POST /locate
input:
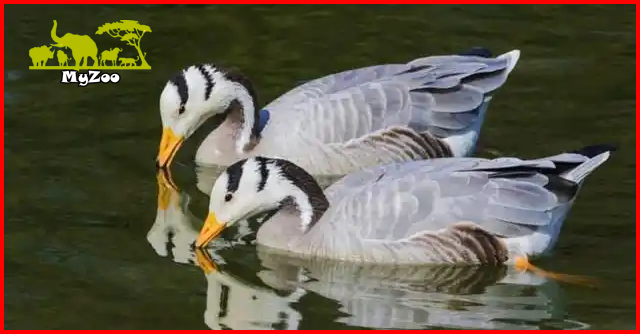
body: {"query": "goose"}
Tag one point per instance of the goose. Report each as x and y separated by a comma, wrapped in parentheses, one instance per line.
(236, 300)
(462, 210)
(429, 107)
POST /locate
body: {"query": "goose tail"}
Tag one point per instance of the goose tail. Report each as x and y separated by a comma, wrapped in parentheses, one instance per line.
(512, 58)
(479, 84)
(573, 166)
(596, 155)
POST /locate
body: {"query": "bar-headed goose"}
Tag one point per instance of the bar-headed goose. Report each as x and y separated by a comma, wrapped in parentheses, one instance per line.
(430, 107)
(448, 210)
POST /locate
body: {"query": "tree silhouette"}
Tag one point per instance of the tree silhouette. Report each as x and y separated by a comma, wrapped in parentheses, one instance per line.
(133, 34)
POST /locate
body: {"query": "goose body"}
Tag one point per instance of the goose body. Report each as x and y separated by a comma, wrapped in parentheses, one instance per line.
(427, 108)
(417, 296)
(448, 210)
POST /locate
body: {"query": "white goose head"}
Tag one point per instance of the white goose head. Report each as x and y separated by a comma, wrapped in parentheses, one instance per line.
(198, 93)
(257, 185)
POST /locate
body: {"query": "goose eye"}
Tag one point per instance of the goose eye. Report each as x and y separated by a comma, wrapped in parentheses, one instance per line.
(181, 110)
(228, 197)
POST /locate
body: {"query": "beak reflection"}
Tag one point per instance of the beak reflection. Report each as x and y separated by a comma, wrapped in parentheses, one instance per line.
(205, 262)
(166, 187)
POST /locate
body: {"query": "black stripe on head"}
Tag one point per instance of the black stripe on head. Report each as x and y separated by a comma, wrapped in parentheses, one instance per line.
(234, 174)
(234, 75)
(207, 77)
(264, 172)
(305, 182)
(298, 176)
(179, 81)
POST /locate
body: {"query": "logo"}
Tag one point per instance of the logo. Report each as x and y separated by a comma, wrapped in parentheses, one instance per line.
(74, 53)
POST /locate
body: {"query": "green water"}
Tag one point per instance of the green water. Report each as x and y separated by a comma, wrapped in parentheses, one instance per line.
(87, 248)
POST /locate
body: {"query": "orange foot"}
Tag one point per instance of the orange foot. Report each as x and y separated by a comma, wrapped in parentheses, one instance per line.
(522, 263)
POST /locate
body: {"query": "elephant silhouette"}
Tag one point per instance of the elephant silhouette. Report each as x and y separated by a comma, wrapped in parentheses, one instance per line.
(62, 58)
(111, 55)
(82, 46)
(40, 55)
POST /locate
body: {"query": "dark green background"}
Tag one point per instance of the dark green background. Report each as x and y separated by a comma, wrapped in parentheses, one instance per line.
(80, 184)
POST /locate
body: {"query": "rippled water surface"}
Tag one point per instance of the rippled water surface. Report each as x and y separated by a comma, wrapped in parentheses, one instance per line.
(86, 245)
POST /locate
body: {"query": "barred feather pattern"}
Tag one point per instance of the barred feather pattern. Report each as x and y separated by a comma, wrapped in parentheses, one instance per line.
(396, 144)
(464, 242)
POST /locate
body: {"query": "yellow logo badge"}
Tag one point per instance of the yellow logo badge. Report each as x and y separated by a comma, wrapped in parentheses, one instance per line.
(79, 52)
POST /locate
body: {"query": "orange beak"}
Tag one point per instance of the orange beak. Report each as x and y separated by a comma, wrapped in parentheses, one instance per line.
(211, 229)
(169, 145)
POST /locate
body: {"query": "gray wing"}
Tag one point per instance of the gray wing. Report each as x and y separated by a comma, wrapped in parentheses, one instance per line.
(396, 201)
(440, 94)
(333, 83)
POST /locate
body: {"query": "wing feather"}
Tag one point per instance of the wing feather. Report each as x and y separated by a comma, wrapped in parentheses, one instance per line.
(397, 200)
(440, 94)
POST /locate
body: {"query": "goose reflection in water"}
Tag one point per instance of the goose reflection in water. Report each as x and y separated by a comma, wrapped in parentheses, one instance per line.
(250, 288)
